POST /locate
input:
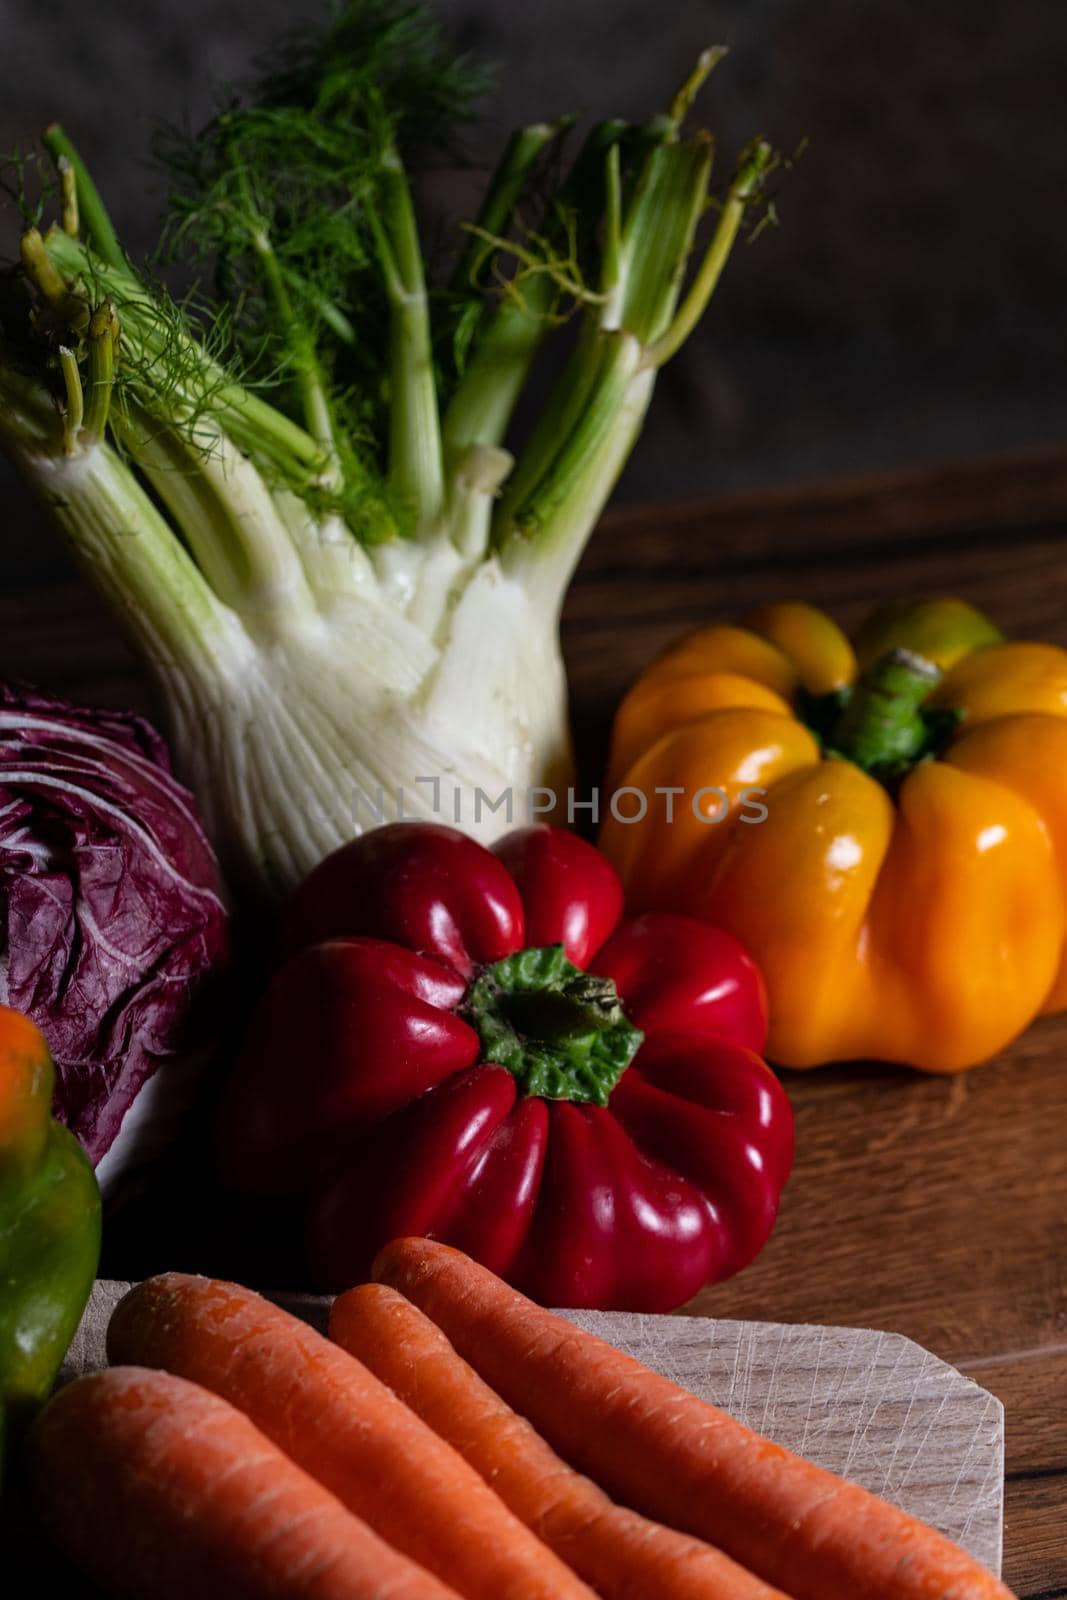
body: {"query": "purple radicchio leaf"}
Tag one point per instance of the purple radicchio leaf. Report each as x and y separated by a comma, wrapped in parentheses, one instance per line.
(113, 928)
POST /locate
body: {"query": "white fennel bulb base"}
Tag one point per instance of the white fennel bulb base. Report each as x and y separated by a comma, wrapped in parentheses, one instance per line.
(315, 734)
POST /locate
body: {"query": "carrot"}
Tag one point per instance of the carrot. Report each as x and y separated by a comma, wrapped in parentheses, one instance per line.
(153, 1486)
(671, 1456)
(344, 1426)
(621, 1554)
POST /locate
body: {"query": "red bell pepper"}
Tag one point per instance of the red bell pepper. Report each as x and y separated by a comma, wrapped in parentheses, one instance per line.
(467, 1044)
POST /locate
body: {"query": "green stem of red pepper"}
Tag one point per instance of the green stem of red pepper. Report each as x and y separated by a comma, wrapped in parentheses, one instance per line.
(560, 1032)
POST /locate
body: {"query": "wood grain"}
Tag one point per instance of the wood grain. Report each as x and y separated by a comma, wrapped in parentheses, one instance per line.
(874, 1407)
(926, 1207)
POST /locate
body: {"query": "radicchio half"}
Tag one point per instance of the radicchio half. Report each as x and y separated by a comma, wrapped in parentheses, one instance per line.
(113, 928)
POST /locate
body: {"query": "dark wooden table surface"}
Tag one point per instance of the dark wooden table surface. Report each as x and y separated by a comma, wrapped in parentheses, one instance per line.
(934, 1207)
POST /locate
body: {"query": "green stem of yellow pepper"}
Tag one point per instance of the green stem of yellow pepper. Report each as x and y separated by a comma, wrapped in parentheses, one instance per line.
(882, 727)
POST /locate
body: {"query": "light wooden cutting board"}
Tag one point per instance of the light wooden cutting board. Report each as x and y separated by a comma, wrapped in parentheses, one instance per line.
(874, 1407)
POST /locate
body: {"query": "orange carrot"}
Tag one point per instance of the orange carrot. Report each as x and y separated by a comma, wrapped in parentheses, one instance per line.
(153, 1486)
(621, 1554)
(659, 1449)
(343, 1426)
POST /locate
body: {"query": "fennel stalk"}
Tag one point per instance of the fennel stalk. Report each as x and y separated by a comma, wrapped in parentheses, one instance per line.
(299, 497)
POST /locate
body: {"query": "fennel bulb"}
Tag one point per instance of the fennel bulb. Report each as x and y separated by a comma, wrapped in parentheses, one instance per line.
(297, 495)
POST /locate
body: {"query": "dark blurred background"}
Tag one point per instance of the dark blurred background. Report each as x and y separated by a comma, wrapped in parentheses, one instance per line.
(909, 308)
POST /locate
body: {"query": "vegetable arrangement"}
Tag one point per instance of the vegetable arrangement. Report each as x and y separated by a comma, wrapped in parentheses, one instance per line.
(429, 1481)
(906, 894)
(295, 489)
(469, 1043)
(302, 489)
(112, 926)
(49, 1230)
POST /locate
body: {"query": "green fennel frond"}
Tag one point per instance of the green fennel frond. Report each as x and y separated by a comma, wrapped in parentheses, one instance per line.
(272, 203)
(29, 185)
(554, 256)
(395, 50)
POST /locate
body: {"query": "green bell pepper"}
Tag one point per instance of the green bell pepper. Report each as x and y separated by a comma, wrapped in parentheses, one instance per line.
(49, 1229)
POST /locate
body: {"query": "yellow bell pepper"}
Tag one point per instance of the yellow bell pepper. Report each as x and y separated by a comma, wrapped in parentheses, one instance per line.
(892, 846)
